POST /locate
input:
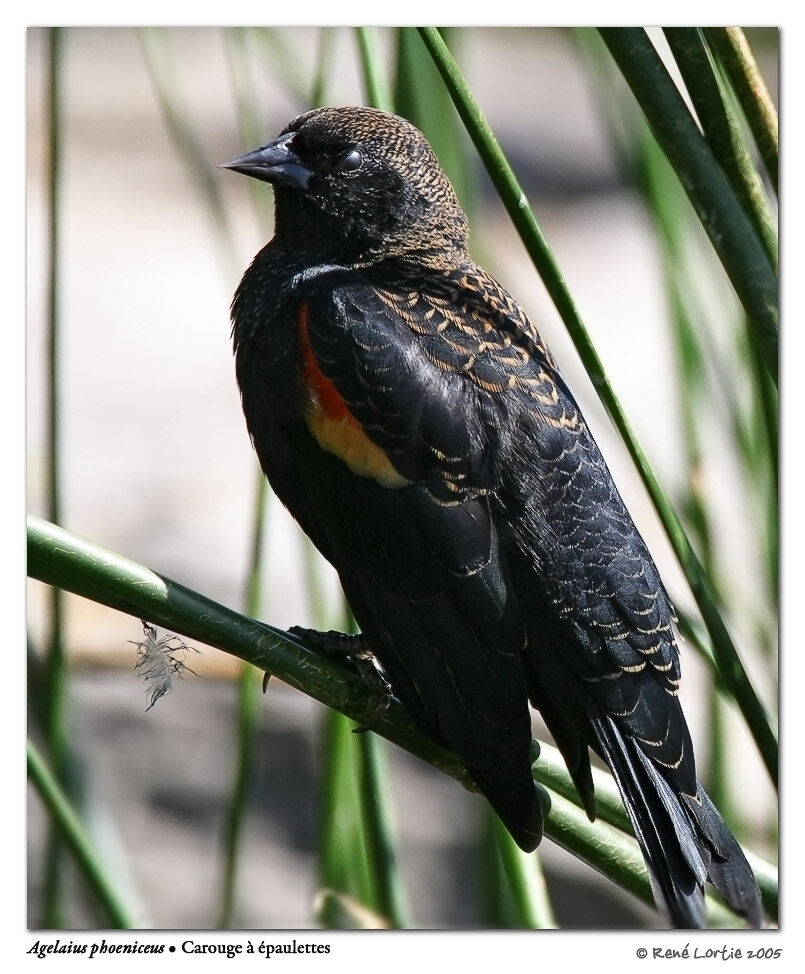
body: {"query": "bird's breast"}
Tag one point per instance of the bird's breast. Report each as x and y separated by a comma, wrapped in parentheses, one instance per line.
(332, 423)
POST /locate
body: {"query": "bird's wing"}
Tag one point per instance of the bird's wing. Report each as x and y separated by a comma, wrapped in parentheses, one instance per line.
(403, 494)
(608, 609)
(586, 568)
(453, 384)
(596, 610)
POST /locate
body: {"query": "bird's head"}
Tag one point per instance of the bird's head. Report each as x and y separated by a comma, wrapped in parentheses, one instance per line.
(357, 182)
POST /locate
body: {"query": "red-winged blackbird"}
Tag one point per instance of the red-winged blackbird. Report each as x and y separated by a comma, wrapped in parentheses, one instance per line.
(411, 418)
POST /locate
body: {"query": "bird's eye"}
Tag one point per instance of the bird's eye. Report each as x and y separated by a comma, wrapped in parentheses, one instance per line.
(351, 161)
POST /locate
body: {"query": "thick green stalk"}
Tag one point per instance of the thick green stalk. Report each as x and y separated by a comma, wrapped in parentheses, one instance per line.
(420, 97)
(551, 772)
(767, 880)
(722, 131)
(375, 83)
(732, 234)
(379, 832)
(765, 418)
(55, 86)
(357, 853)
(55, 665)
(736, 56)
(347, 891)
(239, 798)
(514, 199)
(247, 723)
(318, 93)
(64, 818)
(527, 900)
(361, 884)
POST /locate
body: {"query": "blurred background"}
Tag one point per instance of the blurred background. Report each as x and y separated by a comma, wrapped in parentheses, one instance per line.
(156, 463)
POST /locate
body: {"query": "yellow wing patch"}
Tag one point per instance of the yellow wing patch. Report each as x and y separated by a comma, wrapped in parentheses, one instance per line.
(346, 440)
(332, 424)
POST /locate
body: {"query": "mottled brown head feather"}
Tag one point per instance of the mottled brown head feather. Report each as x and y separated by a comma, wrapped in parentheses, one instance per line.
(376, 186)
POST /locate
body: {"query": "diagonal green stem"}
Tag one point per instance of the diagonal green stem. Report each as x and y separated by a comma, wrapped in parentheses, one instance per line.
(731, 668)
(247, 718)
(59, 558)
(731, 233)
(324, 58)
(345, 875)
(736, 56)
(248, 708)
(523, 900)
(377, 88)
(709, 96)
(55, 666)
(420, 97)
(378, 830)
(70, 828)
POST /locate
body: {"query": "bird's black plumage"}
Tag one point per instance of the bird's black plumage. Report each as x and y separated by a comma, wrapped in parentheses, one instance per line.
(411, 418)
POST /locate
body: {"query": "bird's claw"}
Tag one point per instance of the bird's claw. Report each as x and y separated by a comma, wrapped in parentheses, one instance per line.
(356, 650)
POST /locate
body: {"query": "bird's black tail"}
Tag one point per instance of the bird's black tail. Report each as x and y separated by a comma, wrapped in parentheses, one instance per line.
(684, 839)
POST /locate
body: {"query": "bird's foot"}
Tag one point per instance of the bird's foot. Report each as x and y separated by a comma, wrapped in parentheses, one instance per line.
(354, 648)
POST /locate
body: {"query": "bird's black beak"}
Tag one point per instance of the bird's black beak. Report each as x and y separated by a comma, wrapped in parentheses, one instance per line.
(273, 163)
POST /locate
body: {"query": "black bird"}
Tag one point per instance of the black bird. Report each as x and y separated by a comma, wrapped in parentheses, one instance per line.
(411, 418)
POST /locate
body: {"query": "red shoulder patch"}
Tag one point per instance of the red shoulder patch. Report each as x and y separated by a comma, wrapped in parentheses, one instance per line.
(323, 393)
(332, 423)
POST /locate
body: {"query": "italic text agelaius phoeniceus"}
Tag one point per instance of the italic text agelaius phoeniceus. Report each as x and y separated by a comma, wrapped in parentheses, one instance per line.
(410, 417)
